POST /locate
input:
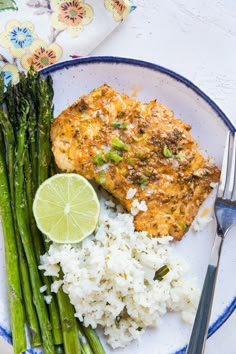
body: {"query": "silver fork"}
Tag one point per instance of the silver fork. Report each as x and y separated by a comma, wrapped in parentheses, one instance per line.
(225, 212)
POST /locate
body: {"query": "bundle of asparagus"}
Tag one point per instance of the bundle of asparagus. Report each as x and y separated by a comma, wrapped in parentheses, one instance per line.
(26, 113)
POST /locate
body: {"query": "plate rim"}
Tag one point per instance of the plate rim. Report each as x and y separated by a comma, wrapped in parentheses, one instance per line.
(230, 308)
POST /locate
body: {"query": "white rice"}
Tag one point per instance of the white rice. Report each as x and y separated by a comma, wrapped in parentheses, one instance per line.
(56, 285)
(48, 299)
(138, 206)
(131, 193)
(201, 223)
(109, 278)
(43, 289)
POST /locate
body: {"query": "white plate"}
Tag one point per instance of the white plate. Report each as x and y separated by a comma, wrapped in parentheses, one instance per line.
(209, 126)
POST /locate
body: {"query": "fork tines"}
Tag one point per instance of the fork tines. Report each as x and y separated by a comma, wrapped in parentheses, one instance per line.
(226, 189)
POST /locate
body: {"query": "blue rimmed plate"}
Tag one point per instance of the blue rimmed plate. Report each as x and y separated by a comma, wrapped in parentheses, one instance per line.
(209, 124)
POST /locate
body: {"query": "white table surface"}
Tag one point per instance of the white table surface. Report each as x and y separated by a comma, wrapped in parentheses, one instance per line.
(197, 39)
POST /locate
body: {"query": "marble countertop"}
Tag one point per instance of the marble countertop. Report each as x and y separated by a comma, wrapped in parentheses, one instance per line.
(197, 39)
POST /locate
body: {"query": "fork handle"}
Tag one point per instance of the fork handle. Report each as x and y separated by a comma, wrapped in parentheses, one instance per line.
(199, 332)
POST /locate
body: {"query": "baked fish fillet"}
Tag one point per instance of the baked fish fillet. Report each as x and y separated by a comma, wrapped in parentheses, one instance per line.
(129, 147)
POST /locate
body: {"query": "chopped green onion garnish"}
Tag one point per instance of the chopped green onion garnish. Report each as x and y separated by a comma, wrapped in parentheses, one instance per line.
(142, 181)
(130, 161)
(180, 156)
(140, 154)
(139, 138)
(160, 273)
(119, 145)
(183, 225)
(113, 156)
(148, 173)
(102, 177)
(99, 159)
(167, 152)
(119, 125)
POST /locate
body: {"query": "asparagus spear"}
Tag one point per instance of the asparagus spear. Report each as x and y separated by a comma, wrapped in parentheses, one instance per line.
(26, 86)
(93, 339)
(39, 249)
(31, 176)
(10, 146)
(24, 274)
(11, 107)
(36, 235)
(20, 205)
(44, 122)
(31, 161)
(69, 326)
(13, 276)
(85, 347)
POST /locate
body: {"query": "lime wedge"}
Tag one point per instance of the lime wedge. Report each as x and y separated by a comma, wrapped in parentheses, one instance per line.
(66, 208)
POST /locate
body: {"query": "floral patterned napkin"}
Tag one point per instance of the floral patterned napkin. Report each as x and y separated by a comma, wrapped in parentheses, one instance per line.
(42, 32)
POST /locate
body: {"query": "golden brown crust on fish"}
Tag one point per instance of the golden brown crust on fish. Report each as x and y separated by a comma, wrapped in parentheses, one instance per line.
(122, 143)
